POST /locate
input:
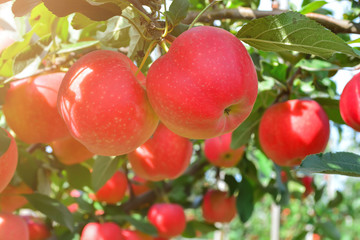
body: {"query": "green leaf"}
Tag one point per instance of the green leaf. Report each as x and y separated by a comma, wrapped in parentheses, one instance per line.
(245, 200)
(331, 107)
(67, 48)
(5, 141)
(330, 230)
(104, 168)
(194, 225)
(140, 224)
(242, 134)
(336, 201)
(292, 31)
(343, 163)
(314, 65)
(78, 176)
(80, 21)
(178, 11)
(232, 183)
(52, 208)
(311, 7)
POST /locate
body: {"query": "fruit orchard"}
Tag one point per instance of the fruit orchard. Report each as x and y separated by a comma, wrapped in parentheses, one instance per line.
(183, 119)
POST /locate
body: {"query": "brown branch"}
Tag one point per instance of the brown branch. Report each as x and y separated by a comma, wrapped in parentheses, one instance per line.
(151, 196)
(335, 25)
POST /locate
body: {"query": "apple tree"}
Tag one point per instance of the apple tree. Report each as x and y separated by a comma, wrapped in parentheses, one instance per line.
(134, 119)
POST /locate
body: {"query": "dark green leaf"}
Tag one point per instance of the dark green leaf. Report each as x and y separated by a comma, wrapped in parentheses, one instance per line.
(343, 163)
(5, 141)
(103, 169)
(140, 224)
(245, 200)
(242, 134)
(336, 201)
(194, 225)
(311, 7)
(292, 31)
(232, 183)
(330, 230)
(178, 10)
(52, 209)
(78, 176)
(319, 193)
(331, 107)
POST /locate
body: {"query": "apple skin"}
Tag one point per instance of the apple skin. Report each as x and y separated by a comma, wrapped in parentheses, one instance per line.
(11, 199)
(135, 235)
(139, 186)
(307, 182)
(69, 151)
(8, 161)
(205, 86)
(104, 104)
(169, 219)
(164, 156)
(219, 153)
(350, 102)
(217, 206)
(13, 227)
(291, 130)
(103, 231)
(114, 189)
(30, 109)
(37, 229)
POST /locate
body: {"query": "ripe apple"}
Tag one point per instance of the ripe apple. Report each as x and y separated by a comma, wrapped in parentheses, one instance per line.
(114, 189)
(219, 153)
(169, 219)
(13, 227)
(30, 109)
(135, 235)
(291, 130)
(217, 206)
(69, 151)
(11, 199)
(103, 231)
(350, 102)
(205, 86)
(8, 161)
(307, 182)
(104, 105)
(139, 185)
(165, 155)
(37, 229)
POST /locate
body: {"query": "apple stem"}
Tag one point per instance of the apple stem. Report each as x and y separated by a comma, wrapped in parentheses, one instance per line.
(148, 51)
(202, 12)
(164, 46)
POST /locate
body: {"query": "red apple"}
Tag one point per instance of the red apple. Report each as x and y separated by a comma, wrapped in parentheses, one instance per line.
(104, 104)
(73, 207)
(291, 130)
(169, 219)
(30, 109)
(165, 155)
(114, 189)
(139, 185)
(217, 206)
(219, 153)
(13, 227)
(11, 199)
(69, 151)
(8, 161)
(135, 235)
(37, 229)
(205, 86)
(307, 182)
(101, 231)
(350, 103)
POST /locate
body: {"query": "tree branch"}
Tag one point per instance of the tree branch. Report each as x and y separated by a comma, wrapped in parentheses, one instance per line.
(335, 25)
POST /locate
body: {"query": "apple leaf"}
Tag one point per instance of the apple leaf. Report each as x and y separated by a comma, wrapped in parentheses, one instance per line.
(311, 7)
(194, 225)
(343, 163)
(314, 65)
(80, 21)
(22, 7)
(4, 141)
(78, 176)
(104, 168)
(52, 208)
(178, 11)
(331, 107)
(330, 230)
(73, 47)
(96, 12)
(336, 201)
(245, 200)
(140, 224)
(232, 183)
(292, 31)
(242, 134)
